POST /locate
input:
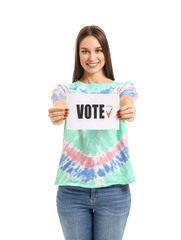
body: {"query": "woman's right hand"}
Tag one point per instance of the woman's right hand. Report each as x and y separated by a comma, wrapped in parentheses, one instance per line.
(58, 115)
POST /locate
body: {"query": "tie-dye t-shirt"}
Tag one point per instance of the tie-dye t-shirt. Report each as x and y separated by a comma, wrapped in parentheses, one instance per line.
(95, 158)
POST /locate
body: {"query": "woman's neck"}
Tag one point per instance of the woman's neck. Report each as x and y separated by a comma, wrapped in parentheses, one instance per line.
(94, 78)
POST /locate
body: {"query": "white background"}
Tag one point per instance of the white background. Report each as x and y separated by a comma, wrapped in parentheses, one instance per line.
(36, 53)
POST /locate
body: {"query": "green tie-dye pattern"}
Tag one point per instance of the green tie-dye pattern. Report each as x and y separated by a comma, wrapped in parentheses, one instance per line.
(93, 141)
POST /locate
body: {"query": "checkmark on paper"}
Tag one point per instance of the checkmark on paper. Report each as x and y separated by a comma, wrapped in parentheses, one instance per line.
(108, 113)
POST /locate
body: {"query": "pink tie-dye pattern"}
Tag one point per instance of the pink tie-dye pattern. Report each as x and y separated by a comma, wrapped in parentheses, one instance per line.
(58, 90)
(128, 88)
(88, 162)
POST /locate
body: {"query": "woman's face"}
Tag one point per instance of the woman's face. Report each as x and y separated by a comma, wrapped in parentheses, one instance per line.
(91, 55)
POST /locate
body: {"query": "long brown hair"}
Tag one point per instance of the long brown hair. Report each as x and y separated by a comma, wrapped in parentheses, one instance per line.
(101, 37)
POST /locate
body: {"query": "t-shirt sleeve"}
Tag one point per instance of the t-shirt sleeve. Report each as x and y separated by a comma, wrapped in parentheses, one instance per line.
(128, 88)
(59, 92)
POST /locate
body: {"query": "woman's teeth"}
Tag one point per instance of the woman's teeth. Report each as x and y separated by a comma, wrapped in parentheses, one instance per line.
(92, 64)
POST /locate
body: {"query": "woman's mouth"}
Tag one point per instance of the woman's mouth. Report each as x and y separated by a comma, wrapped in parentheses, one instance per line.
(92, 65)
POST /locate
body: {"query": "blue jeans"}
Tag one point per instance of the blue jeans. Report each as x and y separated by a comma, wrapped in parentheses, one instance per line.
(93, 213)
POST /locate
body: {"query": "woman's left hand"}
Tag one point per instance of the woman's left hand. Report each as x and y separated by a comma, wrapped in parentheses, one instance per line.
(127, 112)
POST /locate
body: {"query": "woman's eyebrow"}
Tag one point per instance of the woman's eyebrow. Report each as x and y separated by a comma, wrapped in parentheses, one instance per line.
(87, 48)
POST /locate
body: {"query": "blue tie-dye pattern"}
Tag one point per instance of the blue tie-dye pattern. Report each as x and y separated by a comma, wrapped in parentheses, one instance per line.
(88, 174)
(59, 95)
(126, 150)
(105, 91)
(129, 92)
(107, 169)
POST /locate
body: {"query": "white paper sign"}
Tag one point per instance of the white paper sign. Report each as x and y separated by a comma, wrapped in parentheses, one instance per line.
(92, 111)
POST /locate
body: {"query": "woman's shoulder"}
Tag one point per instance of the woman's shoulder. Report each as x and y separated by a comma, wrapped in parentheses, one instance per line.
(65, 85)
(125, 84)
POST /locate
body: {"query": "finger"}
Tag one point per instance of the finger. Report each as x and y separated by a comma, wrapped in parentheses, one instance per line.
(119, 116)
(127, 106)
(51, 110)
(55, 114)
(61, 113)
(127, 116)
(58, 113)
(57, 121)
(55, 118)
(127, 111)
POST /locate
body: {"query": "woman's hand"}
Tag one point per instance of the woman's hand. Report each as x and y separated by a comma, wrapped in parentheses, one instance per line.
(127, 112)
(58, 115)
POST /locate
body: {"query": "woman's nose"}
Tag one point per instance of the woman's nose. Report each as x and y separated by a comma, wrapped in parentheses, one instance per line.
(91, 56)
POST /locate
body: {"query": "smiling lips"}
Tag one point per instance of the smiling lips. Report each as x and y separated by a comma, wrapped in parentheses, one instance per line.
(92, 65)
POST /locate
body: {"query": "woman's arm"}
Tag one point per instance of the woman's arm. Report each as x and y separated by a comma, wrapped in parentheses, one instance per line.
(127, 109)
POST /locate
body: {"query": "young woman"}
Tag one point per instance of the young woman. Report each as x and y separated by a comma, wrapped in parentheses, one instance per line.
(94, 172)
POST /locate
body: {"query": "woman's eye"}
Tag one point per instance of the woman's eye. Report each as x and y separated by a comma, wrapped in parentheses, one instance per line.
(85, 51)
